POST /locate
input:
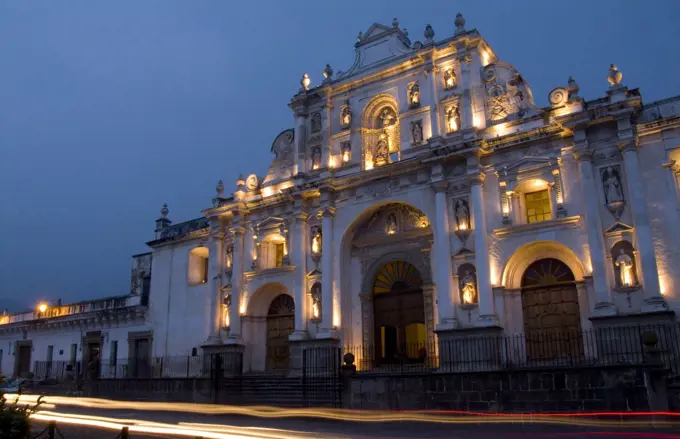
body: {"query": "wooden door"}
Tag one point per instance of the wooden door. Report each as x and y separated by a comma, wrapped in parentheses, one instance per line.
(552, 319)
(24, 365)
(280, 325)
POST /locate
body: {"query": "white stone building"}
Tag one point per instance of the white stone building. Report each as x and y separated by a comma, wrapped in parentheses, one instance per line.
(48, 339)
(422, 195)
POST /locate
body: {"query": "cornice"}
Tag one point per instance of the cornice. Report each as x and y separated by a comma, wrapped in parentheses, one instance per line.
(533, 227)
(94, 319)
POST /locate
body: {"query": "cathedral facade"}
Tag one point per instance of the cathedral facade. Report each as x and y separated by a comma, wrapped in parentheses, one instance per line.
(422, 196)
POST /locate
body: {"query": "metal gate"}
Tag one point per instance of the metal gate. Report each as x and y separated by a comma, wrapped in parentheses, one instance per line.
(322, 377)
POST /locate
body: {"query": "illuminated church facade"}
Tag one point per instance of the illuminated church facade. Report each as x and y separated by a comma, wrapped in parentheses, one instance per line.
(422, 196)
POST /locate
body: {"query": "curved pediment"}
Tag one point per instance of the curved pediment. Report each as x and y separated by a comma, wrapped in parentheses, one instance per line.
(281, 168)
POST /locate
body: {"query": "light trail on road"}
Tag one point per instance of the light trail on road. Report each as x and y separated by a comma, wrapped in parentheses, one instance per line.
(600, 419)
(210, 431)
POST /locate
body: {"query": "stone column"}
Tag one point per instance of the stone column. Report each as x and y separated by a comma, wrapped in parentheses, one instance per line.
(434, 105)
(236, 285)
(487, 313)
(603, 300)
(216, 260)
(650, 274)
(327, 254)
(298, 257)
(326, 114)
(442, 258)
(553, 201)
(465, 103)
(300, 139)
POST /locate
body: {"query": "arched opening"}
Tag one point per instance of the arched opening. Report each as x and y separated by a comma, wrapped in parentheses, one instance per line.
(280, 324)
(552, 320)
(399, 314)
(198, 265)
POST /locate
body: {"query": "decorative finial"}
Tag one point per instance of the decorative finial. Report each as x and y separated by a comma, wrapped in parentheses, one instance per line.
(305, 81)
(615, 76)
(460, 23)
(240, 181)
(164, 210)
(405, 31)
(572, 88)
(428, 34)
(395, 22)
(328, 72)
(360, 37)
(220, 189)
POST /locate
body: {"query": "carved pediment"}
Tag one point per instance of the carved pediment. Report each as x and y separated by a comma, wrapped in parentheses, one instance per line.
(393, 220)
(378, 44)
(527, 163)
(619, 227)
(270, 224)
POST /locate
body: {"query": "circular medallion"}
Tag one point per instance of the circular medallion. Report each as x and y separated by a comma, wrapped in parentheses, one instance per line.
(252, 183)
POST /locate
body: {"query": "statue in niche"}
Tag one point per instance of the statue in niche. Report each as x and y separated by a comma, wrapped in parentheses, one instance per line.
(625, 264)
(382, 151)
(453, 118)
(346, 116)
(316, 239)
(316, 301)
(316, 158)
(462, 215)
(229, 257)
(316, 122)
(469, 289)
(387, 118)
(391, 224)
(417, 132)
(449, 79)
(612, 186)
(414, 95)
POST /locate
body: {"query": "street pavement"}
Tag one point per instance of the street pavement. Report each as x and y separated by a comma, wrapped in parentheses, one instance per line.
(321, 428)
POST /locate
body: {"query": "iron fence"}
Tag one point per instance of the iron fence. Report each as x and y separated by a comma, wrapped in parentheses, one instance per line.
(52, 431)
(610, 346)
(186, 366)
(57, 371)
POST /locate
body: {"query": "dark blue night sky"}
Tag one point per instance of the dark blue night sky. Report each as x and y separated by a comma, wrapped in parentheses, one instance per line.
(109, 109)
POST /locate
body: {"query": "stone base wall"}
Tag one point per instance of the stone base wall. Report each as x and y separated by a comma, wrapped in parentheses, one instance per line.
(162, 389)
(517, 391)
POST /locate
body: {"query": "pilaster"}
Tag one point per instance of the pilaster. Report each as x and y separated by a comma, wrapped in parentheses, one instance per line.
(654, 302)
(603, 300)
(442, 249)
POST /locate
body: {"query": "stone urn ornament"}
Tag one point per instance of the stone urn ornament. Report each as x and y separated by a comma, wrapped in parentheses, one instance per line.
(615, 76)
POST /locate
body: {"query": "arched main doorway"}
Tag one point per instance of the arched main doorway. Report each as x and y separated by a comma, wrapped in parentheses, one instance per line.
(280, 324)
(552, 320)
(399, 314)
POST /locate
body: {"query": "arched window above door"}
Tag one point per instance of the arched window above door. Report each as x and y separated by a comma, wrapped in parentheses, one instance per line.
(547, 271)
(397, 276)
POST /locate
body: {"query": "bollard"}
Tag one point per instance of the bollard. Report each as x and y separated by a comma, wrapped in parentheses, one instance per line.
(125, 433)
(51, 429)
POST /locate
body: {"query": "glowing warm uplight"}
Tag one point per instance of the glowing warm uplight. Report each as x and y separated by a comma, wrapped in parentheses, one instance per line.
(627, 277)
(493, 272)
(267, 191)
(485, 58)
(346, 155)
(336, 318)
(315, 246)
(369, 164)
(315, 166)
(331, 162)
(315, 310)
(42, 307)
(226, 317)
(506, 209)
(453, 125)
(242, 306)
(475, 121)
(662, 285)
(462, 226)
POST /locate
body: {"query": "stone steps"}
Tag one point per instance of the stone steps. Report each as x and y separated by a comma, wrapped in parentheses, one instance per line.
(262, 389)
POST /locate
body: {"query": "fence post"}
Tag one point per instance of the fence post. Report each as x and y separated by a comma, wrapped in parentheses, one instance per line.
(188, 360)
(51, 429)
(125, 433)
